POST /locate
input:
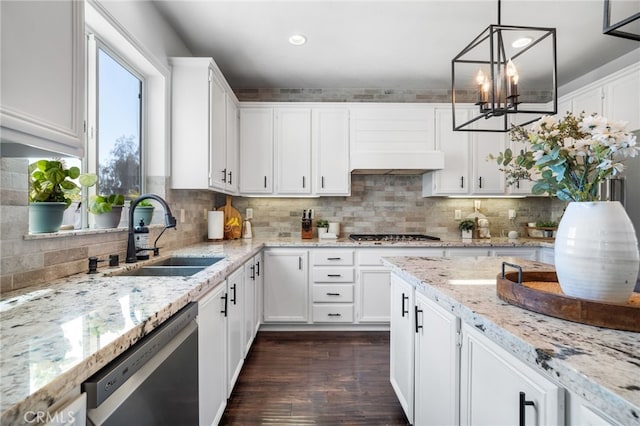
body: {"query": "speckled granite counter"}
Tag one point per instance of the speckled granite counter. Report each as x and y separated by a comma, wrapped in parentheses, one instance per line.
(600, 365)
(56, 335)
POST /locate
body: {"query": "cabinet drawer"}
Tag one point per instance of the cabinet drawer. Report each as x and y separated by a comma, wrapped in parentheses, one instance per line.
(333, 313)
(332, 257)
(332, 275)
(333, 293)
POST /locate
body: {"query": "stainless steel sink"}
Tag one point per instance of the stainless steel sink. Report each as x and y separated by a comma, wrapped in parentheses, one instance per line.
(188, 261)
(175, 266)
(163, 271)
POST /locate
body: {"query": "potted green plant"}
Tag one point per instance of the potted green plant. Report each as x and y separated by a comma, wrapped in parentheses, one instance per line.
(548, 227)
(466, 228)
(51, 188)
(107, 209)
(323, 226)
(144, 212)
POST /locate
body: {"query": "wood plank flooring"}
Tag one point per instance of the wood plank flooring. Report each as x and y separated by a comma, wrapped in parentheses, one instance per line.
(319, 378)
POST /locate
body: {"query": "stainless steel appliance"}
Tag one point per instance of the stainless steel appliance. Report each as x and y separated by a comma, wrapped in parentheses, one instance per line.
(153, 383)
(392, 237)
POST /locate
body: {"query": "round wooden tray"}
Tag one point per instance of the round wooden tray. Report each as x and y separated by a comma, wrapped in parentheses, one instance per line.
(540, 292)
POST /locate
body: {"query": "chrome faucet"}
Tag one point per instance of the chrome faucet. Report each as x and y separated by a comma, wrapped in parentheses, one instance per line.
(170, 222)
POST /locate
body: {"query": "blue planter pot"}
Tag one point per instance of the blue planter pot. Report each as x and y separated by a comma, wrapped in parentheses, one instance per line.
(46, 217)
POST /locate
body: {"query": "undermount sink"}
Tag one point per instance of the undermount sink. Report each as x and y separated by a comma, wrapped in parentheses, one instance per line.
(175, 266)
(188, 261)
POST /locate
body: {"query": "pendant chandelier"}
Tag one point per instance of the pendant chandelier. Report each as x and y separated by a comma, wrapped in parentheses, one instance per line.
(628, 27)
(511, 74)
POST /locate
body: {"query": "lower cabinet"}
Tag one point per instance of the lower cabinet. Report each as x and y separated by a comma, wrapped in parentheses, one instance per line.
(286, 285)
(498, 389)
(235, 327)
(437, 357)
(252, 302)
(212, 355)
(402, 344)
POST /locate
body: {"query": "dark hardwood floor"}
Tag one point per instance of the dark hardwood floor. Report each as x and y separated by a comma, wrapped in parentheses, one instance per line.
(319, 378)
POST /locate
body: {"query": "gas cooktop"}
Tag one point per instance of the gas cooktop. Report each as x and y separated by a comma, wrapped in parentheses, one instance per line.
(392, 237)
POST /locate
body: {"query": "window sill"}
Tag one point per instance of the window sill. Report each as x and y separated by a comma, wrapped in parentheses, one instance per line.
(81, 232)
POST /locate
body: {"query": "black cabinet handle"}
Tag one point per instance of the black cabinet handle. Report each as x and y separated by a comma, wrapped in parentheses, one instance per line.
(404, 311)
(233, 299)
(303, 182)
(230, 180)
(265, 181)
(334, 275)
(300, 263)
(334, 258)
(224, 311)
(461, 181)
(224, 175)
(257, 269)
(333, 294)
(523, 407)
(322, 182)
(480, 182)
(418, 311)
(334, 315)
(253, 272)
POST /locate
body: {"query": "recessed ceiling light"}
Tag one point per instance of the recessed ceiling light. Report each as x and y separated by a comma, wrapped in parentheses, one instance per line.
(297, 39)
(521, 42)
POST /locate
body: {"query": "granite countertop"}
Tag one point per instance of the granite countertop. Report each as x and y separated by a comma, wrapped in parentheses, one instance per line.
(56, 335)
(601, 365)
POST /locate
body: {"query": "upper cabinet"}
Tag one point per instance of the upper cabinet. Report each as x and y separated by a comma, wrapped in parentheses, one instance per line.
(204, 127)
(42, 77)
(467, 171)
(617, 97)
(294, 150)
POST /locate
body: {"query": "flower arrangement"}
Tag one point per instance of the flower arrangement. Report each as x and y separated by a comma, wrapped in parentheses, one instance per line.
(570, 156)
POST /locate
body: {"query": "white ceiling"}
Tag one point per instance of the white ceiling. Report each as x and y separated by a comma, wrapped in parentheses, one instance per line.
(377, 44)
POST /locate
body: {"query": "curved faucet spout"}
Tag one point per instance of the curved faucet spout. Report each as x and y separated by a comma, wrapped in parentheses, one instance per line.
(170, 222)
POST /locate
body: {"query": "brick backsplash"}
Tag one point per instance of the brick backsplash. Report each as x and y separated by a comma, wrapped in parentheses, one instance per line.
(377, 203)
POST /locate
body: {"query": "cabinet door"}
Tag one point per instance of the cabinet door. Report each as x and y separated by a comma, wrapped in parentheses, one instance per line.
(218, 134)
(589, 102)
(256, 150)
(402, 343)
(212, 355)
(373, 295)
(259, 274)
(42, 74)
(286, 289)
(487, 179)
(492, 381)
(235, 327)
(293, 151)
(330, 142)
(622, 98)
(454, 178)
(249, 303)
(232, 147)
(436, 369)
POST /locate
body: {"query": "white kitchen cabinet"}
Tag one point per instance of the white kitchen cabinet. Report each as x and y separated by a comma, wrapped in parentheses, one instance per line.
(466, 171)
(402, 344)
(588, 101)
(256, 150)
(42, 76)
(231, 148)
(252, 282)
(72, 413)
(467, 251)
(522, 252)
(496, 386)
(293, 151)
(212, 355)
(203, 135)
(546, 255)
(286, 285)
(235, 327)
(437, 355)
(580, 412)
(330, 151)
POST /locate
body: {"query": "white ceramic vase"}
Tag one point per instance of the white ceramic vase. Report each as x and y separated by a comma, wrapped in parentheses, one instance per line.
(596, 252)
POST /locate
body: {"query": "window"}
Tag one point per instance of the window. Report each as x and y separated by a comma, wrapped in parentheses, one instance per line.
(119, 120)
(115, 122)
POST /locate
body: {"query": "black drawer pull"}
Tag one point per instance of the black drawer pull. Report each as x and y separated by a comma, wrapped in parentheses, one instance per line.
(418, 326)
(333, 294)
(334, 315)
(334, 275)
(403, 308)
(334, 258)
(225, 298)
(523, 407)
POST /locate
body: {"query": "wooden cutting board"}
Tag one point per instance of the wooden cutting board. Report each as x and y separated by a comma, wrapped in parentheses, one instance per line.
(232, 221)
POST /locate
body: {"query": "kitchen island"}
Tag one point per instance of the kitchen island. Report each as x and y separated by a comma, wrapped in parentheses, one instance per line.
(600, 366)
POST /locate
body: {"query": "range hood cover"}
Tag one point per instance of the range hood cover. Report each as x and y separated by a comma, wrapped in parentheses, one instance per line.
(395, 163)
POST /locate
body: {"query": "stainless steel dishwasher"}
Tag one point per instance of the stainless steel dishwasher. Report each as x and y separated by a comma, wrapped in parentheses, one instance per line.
(155, 382)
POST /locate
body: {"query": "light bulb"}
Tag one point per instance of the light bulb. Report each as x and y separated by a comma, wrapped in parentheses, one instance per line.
(480, 79)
